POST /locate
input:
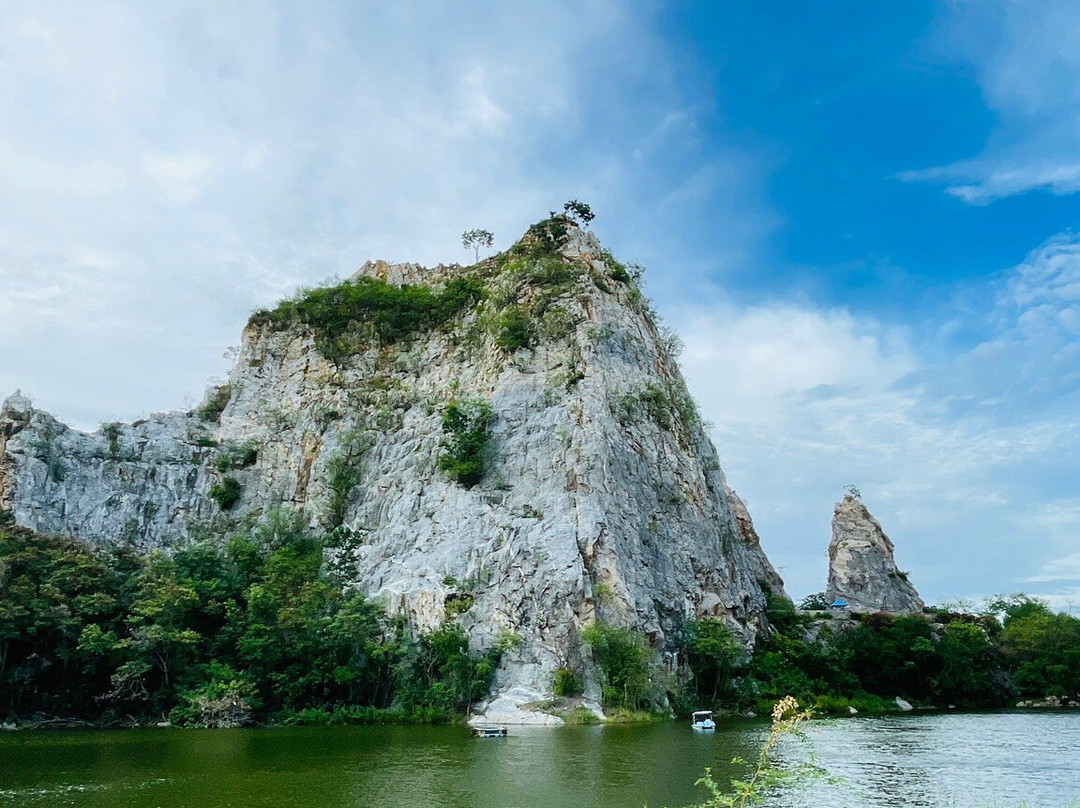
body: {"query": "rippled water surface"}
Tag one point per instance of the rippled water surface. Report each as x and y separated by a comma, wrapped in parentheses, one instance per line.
(998, 759)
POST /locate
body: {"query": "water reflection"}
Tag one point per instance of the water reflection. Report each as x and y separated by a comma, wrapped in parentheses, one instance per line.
(962, 761)
(949, 760)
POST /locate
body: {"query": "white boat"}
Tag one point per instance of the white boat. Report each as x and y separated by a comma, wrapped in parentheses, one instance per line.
(702, 721)
(483, 731)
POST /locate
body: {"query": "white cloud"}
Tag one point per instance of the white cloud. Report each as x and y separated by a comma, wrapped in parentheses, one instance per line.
(1064, 600)
(968, 457)
(1059, 569)
(212, 158)
(983, 182)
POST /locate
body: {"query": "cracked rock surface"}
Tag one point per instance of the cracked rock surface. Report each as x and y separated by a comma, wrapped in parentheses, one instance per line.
(862, 570)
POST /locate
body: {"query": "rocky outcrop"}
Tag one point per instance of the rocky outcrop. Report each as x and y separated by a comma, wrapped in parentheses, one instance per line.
(602, 498)
(862, 570)
(765, 572)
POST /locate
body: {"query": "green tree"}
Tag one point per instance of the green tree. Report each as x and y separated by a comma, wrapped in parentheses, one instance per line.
(969, 663)
(893, 656)
(625, 662)
(466, 439)
(475, 239)
(578, 212)
(160, 639)
(713, 653)
(439, 672)
(51, 590)
(1041, 649)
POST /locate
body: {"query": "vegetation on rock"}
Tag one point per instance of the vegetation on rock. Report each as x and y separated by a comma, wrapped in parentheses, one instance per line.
(227, 492)
(625, 663)
(254, 627)
(466, 440)
(216, 401)
(363, 309)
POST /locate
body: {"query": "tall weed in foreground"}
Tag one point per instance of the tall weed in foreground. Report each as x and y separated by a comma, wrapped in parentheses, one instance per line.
(767, 775)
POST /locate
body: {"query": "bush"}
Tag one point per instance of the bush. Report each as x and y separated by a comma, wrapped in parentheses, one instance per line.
(516, 330)
(546, 236)
(343, 474)
(781, 612)
(862, 703)
(551, 271)
(216, 401)
(466, 440)
(617, 270)
(566, 683)
(814, 603)
(441, 672)
(388, 313)
(227, 700)
(625, 662)
(227, 493)
(582, 717)
(361, 715)
(458, 603)
(111, 432)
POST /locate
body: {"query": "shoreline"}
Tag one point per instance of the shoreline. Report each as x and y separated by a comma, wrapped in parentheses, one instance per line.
(73, 724)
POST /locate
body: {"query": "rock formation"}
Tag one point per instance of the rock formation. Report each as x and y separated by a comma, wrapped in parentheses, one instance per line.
(764, 572)
(601, 497)
(862, 570)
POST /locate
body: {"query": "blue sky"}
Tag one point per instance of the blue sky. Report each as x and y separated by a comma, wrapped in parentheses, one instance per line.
(859, 216)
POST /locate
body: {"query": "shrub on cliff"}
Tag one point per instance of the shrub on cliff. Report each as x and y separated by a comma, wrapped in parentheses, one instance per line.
(364, 308)
(466, 440)
(625, 662)
(226, 493)
(516, 330)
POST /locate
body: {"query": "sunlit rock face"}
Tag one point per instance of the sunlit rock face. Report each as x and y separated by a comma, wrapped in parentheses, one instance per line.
(862, 570)
(601, 496)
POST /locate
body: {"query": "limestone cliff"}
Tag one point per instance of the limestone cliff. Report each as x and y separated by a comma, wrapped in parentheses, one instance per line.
(601, 495)
(862, 570)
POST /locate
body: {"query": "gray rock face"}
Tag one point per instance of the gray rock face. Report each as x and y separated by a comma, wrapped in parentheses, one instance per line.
(603, 497)
(862, 570)
(764, 571)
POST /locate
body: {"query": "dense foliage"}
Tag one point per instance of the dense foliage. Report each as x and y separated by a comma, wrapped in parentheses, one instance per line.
(625, 663)
(1022, 650)
(227, 492)
(223, 632)
(258, 626)
(466, 441)
(364, 308)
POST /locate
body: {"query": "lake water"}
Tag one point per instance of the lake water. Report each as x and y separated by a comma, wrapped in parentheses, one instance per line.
(1001, 759)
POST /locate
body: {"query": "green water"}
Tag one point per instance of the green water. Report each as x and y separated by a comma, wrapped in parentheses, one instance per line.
(947, 760)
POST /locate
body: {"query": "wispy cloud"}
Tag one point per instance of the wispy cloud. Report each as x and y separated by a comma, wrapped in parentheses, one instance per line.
(1025, 57)
(983, 182)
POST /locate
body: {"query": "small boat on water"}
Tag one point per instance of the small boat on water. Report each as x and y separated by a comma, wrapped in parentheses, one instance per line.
(702, 721)
(489, 732)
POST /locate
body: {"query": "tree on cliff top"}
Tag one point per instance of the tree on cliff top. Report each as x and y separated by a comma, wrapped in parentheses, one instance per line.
(475, 239)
